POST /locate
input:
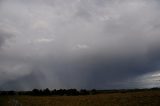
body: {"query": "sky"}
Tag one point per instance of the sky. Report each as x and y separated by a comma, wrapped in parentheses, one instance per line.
(101, 44)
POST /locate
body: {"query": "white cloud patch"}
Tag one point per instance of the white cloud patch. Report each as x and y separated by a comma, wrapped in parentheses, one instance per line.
(44, 40)
(149, 80)
(81, 46)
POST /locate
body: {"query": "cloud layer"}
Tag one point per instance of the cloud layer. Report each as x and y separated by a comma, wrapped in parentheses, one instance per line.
(79, 43)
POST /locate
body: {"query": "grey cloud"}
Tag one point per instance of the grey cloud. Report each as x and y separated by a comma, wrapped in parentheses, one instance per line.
(88, 44)
(4, 36)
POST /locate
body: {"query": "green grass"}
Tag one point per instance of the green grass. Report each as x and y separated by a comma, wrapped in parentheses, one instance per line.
(145, 98)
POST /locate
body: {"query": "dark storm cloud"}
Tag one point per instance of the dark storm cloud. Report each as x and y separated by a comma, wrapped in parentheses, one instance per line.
(79, 44)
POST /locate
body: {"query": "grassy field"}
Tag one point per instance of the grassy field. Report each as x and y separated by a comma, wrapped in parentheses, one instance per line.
(145, 98)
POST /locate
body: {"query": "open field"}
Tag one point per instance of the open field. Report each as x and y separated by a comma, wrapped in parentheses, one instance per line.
(143, 98)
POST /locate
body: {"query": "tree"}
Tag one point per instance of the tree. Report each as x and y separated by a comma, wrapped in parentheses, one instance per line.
(46, 91)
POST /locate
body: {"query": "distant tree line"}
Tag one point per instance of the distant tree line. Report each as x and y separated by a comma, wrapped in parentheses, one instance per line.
(71, 92)
(48, 92)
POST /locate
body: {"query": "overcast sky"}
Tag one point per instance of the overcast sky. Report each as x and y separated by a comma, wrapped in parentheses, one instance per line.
(100, 44)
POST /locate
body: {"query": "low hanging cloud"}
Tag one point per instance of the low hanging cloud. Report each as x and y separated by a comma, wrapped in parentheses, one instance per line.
(79, 44)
